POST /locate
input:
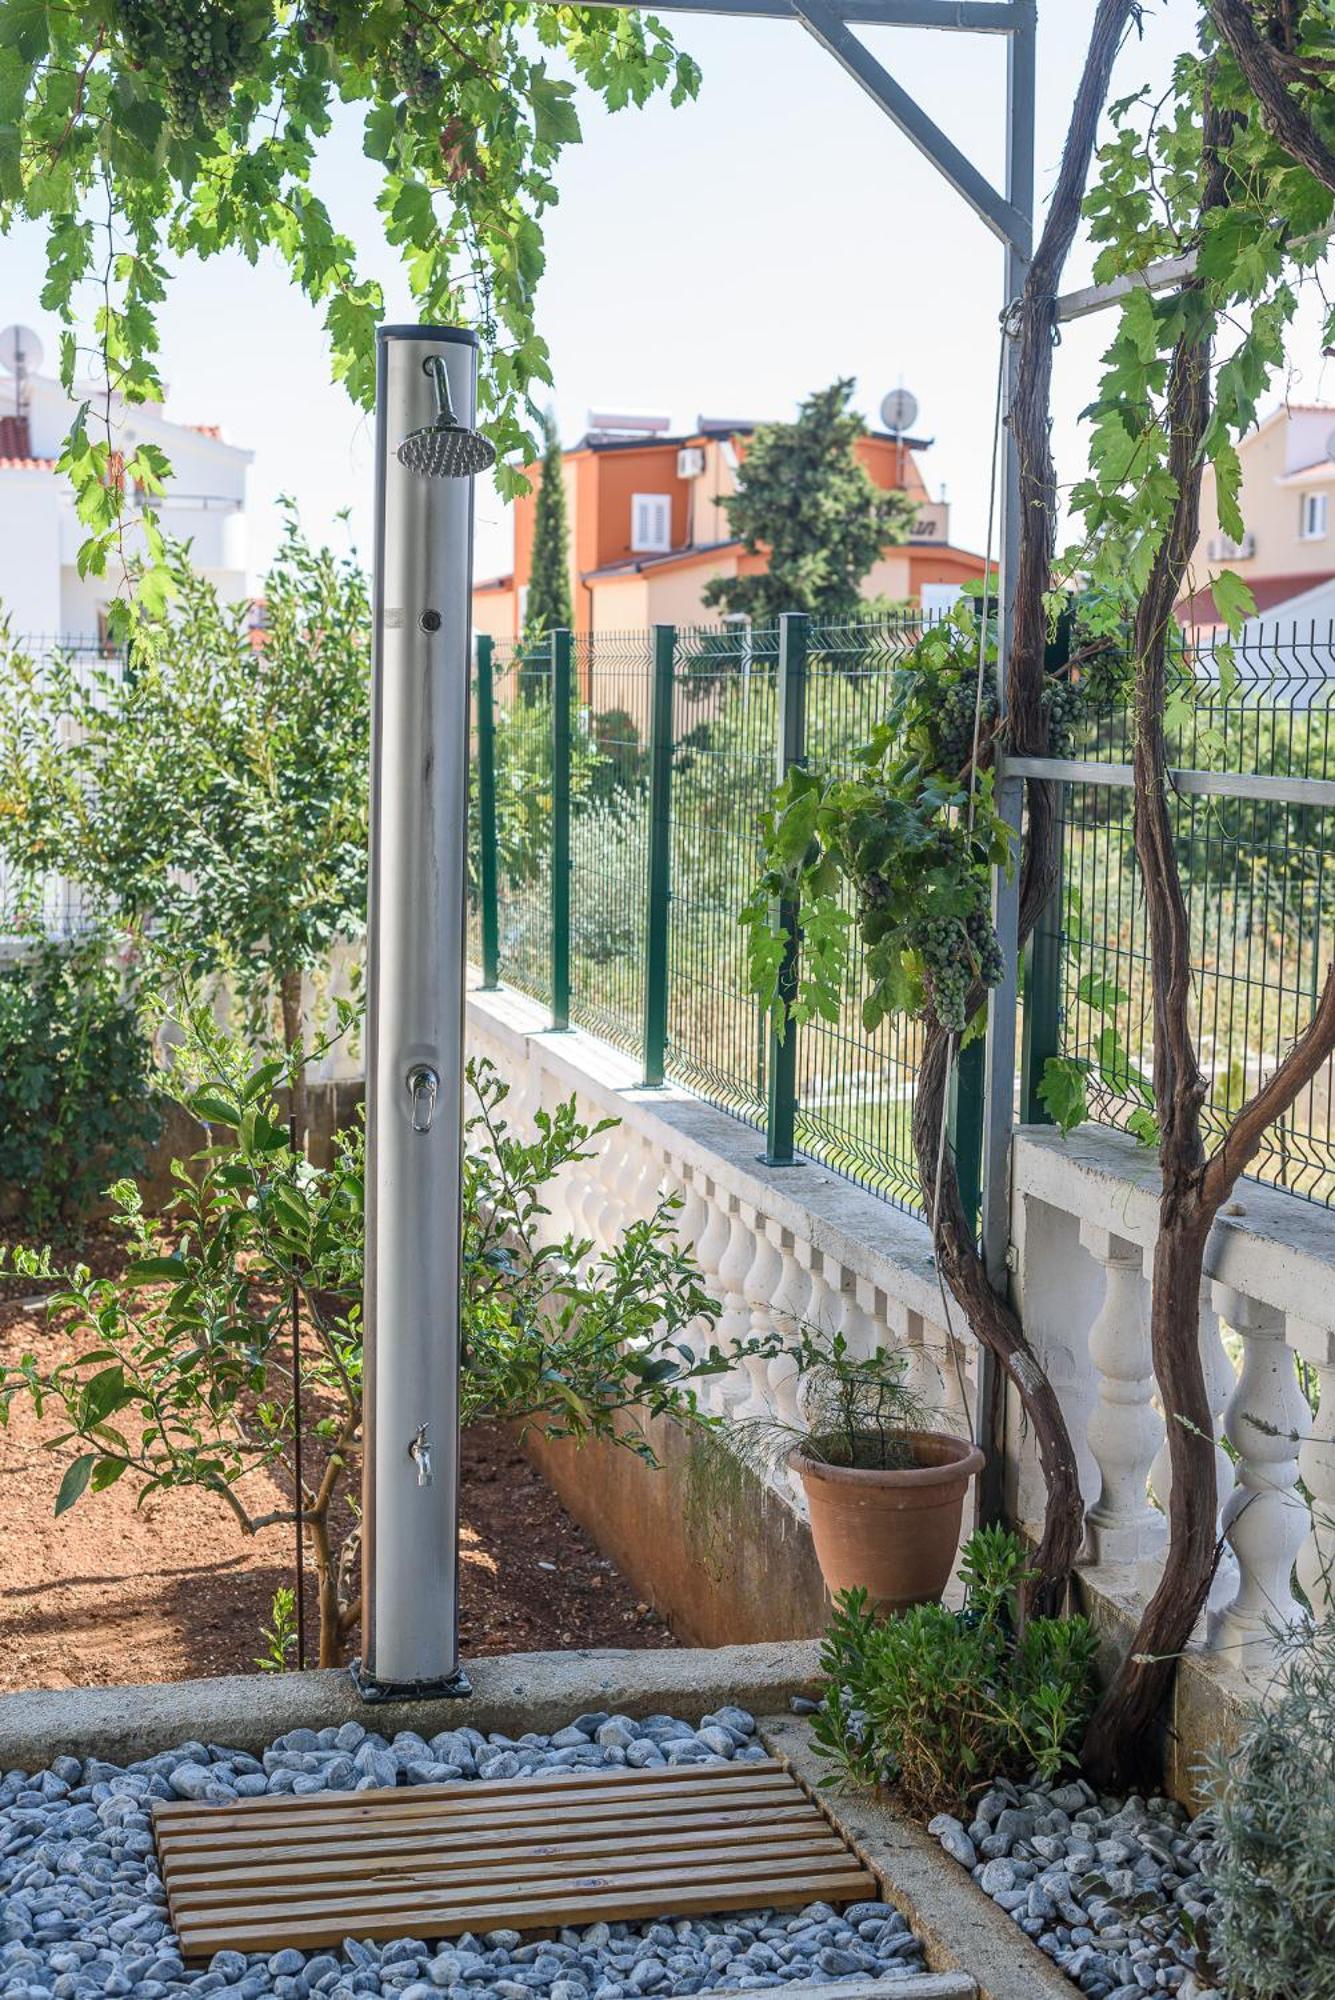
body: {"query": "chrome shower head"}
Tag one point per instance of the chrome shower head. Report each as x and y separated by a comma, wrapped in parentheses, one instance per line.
(445, 448)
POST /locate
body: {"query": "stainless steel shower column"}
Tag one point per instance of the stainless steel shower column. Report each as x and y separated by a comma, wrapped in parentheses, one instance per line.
(414, 1030)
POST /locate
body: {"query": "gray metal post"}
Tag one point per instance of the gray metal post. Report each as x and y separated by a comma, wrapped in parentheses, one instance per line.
(414, 1032)
(999, 1084)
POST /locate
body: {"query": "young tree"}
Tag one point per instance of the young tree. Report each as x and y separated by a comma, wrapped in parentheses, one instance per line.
(185, 1381)
(548, 608)
(212, 792)
(804, 501)
(197, 124)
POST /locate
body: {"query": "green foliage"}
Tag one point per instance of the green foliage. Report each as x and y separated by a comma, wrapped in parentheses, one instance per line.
(280, 1636)
(1105, 1058)
(1253, 256)
(209, 792)
(76, 1103)
(547, 607)
(906, 836)
(132, 133)
(175, 1380)
(856, 1410)
(1273, 1918)
(938, 1703)
(804, 500)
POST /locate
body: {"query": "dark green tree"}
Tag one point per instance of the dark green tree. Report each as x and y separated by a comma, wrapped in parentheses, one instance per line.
(806, 502)
(548, 608)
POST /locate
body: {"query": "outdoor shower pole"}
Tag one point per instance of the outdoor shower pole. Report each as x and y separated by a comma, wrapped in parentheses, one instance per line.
(414, 1030)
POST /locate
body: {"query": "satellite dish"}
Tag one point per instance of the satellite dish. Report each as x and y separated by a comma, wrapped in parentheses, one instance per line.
(899, 411)
(20, 351)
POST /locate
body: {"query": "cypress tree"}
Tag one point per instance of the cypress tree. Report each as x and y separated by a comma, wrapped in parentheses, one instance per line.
(548, 607)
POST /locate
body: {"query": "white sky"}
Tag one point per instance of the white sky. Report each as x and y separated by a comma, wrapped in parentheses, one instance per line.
(727, 257)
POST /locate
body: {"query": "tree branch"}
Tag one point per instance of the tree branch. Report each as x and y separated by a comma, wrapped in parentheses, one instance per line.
(1241, 1142)
(1265, 69)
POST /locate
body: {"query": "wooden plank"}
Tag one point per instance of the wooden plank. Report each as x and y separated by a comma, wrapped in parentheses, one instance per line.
(240, 1839)
(349, 1905)
(225, 1863)
(458, 1801)
(429, 1921)
(556, 1863)
(670, 1777)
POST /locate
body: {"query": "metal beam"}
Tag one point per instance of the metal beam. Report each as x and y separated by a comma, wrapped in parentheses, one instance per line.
(1315, 792)
(973, 17)
(1001, 216)
(1160, 277)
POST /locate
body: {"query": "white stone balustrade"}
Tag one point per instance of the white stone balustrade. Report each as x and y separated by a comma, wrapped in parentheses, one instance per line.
(1269, 1297)
(799, 1245)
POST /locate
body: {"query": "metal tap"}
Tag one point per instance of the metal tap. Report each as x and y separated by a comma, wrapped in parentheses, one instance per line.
(420, 1453)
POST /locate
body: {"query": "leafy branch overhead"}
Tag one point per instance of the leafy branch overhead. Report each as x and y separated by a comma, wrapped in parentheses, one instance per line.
(137, 134)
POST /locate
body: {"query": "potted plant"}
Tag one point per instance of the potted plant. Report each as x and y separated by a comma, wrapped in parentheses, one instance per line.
(884, 1484)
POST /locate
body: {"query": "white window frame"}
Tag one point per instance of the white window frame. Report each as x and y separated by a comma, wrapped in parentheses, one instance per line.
(651, 524)
(1315, 517)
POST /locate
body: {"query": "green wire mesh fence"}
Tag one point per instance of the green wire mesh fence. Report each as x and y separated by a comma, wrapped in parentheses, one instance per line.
(673, 749)
(1260, 889)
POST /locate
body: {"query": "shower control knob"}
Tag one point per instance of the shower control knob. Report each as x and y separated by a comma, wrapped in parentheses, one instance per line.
(423, 1089)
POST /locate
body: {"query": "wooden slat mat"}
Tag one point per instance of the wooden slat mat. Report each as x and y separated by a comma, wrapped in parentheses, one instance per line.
(432, 1861)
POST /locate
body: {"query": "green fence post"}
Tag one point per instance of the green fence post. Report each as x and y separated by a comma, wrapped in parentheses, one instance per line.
(486, 814)
(660, 856)
(1041, 1028)
(965, 1127)
(791, 748)
(563, 648)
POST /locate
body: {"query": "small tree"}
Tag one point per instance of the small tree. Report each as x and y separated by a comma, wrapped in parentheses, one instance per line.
(211, 791)
(806, 503)
(548, 608)
(182, 1376)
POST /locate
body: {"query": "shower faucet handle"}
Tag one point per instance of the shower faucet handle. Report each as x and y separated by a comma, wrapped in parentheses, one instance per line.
(420, 1453)
(423, 1089)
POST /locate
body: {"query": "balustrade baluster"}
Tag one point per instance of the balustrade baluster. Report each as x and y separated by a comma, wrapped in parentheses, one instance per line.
(1124, 1427)
(1316, 1462)
(1265, 1519)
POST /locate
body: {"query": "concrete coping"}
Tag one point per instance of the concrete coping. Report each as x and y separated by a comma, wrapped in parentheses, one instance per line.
(511, 1693)
(1271, 1246)
(858, 1230)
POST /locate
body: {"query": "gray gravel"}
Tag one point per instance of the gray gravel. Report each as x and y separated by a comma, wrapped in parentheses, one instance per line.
(1111, 1889)
(82, 1912)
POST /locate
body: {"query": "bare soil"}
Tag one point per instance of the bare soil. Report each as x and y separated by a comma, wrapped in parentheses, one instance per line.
(113, 1592)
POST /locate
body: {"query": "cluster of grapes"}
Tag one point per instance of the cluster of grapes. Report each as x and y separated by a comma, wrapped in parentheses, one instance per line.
(419, 80)
(953, 718)
(318, 24)
(1063, 705)
(954, 955)
(197, 45)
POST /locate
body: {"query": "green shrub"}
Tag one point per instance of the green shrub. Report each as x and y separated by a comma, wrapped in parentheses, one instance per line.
(76, 1109)
(936, 1702)
(1273, 1921)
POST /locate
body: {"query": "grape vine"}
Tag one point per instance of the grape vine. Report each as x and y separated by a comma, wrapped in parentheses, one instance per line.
(913, 835)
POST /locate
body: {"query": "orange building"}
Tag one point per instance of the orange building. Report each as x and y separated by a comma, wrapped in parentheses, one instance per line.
(648, 529)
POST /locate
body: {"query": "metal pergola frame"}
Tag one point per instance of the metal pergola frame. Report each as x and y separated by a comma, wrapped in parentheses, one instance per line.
(1008, 213)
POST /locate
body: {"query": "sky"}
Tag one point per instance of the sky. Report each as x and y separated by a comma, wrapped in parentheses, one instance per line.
(727, 257)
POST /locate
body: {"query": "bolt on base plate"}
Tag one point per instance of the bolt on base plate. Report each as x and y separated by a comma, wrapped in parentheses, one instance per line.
(455, 1687)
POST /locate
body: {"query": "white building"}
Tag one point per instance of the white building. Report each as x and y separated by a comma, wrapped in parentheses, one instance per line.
(41, 591)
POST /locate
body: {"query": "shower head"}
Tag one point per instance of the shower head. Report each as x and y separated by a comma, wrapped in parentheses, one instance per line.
(445, 448)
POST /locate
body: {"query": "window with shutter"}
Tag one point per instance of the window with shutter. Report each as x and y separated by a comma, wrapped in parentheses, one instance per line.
(650, 523)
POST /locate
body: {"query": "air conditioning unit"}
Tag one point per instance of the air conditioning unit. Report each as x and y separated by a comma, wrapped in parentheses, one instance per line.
(1224, 549)
(690, 461)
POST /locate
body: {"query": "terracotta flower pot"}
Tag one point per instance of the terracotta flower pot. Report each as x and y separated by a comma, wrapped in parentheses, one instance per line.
(892, 1533)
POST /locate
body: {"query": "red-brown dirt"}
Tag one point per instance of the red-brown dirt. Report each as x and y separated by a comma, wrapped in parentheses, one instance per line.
(113, 1592)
